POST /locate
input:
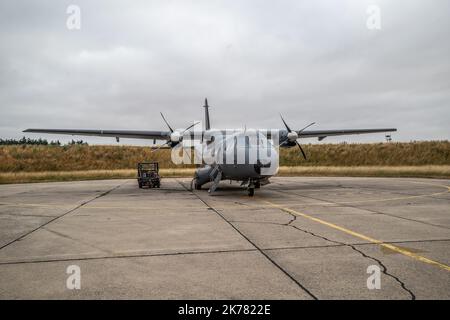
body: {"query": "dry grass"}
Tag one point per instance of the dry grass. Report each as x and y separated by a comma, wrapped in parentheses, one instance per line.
(80, 162)
(48, 176)
(82, 158)
(365, 171)
(370, 154)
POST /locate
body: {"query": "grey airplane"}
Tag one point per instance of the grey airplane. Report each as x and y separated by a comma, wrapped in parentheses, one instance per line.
(245, 155)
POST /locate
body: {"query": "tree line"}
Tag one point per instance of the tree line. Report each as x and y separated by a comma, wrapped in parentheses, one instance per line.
(40, 141)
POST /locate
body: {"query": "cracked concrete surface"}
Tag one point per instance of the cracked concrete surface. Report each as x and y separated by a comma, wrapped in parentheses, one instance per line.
(175, 243)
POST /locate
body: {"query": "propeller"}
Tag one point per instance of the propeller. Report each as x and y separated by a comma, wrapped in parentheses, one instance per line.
(175, 136)
(292, 135)
(170, 128)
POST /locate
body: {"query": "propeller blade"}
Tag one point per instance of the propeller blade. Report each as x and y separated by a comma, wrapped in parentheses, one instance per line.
(171, 130)
(296, 142)
(160, 146)
(301, 149)
(285, 124)
(309, 125)
(190, 127)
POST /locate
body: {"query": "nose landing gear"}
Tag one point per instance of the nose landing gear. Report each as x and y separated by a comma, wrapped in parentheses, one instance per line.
(251, 188)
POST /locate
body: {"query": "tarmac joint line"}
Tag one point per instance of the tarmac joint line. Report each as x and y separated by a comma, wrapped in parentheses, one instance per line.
(62, 215)
(261, 251)
(362, 236)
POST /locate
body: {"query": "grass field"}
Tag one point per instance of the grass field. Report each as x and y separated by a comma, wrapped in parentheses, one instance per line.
(81, 162)
(47, 176)
(362, 171)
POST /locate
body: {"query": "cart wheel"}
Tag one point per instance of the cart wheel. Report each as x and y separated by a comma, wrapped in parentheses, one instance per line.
(140, 185)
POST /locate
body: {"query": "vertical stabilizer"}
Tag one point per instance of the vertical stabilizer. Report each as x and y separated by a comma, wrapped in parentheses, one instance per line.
(207, 123)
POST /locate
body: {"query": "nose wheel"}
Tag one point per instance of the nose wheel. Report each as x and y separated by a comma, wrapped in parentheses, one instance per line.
(195, 185)
(251, 189)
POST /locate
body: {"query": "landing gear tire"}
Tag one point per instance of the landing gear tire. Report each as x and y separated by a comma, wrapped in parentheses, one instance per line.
(257, 185)
(251, 192)
(196, 185)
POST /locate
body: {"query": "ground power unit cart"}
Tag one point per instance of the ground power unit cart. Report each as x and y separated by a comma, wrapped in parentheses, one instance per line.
(148, 175)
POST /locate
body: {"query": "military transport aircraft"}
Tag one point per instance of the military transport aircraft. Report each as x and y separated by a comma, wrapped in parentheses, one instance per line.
(244, 155)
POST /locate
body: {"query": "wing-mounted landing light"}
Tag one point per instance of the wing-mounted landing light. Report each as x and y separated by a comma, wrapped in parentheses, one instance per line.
(175, 135)
(292, 135)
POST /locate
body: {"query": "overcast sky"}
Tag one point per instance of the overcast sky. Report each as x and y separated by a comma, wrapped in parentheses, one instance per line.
(309, 60)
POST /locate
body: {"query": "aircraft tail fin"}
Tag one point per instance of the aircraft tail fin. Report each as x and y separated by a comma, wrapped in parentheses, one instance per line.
(207, 123)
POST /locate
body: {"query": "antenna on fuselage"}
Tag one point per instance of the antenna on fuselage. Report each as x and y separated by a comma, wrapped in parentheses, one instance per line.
(207, 123)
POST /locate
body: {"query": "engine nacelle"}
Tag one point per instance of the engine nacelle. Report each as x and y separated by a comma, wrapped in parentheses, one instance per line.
(204, 175)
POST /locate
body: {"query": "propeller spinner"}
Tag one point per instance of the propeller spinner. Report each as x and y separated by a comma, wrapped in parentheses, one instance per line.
(175, 135)
(292, 135)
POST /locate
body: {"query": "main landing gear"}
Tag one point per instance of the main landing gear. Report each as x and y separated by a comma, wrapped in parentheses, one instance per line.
(252, 186)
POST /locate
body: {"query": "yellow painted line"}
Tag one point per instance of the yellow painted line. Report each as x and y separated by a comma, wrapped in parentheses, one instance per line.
(152, 208)
(390, 199)
(325, 202)
(33, 205)
(249, 204)
(428, 183)
(364, 237)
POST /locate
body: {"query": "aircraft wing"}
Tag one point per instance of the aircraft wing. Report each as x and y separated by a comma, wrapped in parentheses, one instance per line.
(135, 134)
(322, 134)
(165, 135)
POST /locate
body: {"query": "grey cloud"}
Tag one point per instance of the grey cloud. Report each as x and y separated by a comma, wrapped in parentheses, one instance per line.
(310, 60)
